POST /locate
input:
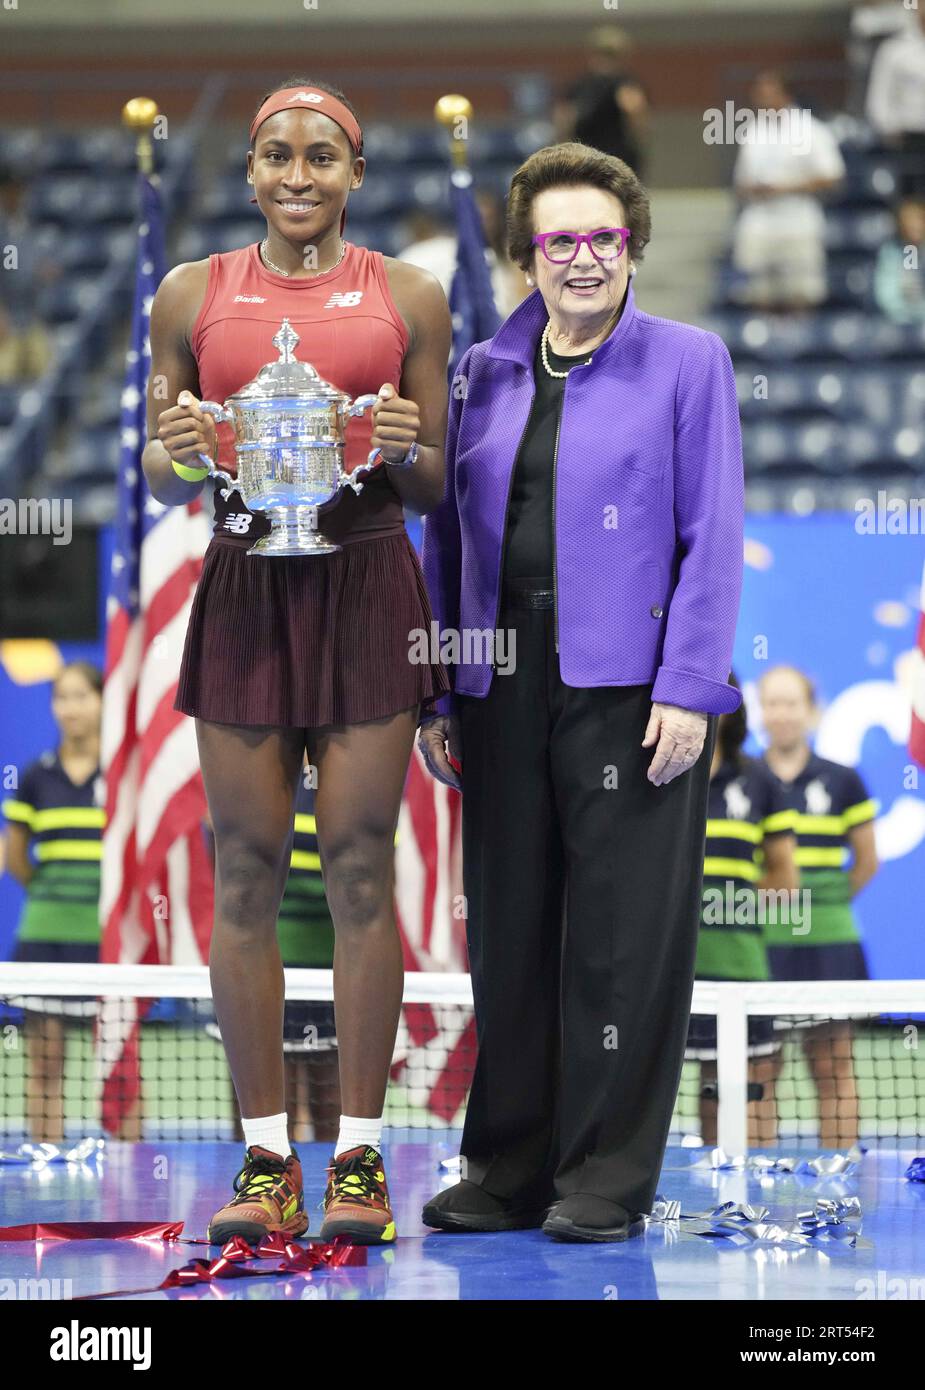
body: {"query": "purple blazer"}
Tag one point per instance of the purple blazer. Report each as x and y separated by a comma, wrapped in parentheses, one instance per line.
(648, 507)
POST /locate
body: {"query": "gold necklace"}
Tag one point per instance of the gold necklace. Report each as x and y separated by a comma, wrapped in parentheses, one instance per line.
(279, 270)
(543, 342)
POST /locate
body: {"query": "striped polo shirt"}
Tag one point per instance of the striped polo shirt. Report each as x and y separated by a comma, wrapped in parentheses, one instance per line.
(65, 821)
(828, 801)
(745, 808)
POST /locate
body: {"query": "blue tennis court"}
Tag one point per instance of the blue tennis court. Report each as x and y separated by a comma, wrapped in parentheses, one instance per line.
(185, 1182)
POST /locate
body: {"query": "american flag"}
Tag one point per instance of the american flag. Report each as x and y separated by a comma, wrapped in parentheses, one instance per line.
(917, 731)
(435, 1042)
(156, 897)
(472, 301)
(439, 1042)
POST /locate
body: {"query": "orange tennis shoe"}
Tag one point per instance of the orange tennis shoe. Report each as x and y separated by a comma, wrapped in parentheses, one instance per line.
(356, 1201)
(268, 1198)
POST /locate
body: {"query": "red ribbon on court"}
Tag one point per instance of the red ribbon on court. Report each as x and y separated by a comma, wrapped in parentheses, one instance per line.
(230, 1264)
(93, 1230)
(295, 1260)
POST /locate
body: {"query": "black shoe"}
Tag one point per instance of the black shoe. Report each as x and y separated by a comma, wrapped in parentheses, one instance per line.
(582, 1216)
(467, 1207)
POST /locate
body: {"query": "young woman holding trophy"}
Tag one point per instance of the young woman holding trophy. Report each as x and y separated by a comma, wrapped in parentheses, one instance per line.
(304, 643)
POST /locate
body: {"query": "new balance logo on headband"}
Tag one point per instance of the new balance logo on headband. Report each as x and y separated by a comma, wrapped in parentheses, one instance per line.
(307, 96)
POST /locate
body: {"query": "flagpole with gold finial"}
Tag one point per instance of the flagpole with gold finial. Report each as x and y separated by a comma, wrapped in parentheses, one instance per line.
(455, 112)
(139, 115)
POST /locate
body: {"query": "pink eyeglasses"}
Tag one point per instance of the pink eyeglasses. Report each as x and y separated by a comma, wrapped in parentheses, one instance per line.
(607, 244)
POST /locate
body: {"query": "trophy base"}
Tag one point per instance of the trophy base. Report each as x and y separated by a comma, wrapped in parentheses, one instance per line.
(293, 531)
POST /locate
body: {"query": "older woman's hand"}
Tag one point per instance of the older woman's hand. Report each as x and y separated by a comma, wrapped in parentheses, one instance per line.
(436, 735)
(680, 734)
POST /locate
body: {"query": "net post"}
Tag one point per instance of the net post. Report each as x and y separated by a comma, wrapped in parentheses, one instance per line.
(732, 1069)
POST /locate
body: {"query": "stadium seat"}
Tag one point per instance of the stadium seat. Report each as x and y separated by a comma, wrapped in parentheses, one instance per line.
(58, 201)
(867, 183)
(854, 230)
(9, 404)
(110, 203)
(94, 503)
(68, 298)
(810, 390)
(379, 234)
(19, 148)
(850, 281)
(94, 456)
(197, 243)
(396, 195)
(228, 199)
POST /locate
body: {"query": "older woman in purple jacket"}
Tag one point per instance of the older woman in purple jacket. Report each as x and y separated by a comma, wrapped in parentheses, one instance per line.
(585, 568)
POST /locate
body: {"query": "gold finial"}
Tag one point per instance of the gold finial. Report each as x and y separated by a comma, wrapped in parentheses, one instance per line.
(455, 112)
(139, 115)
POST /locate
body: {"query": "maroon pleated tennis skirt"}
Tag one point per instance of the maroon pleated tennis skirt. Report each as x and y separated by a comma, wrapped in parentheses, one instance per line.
(287, 640)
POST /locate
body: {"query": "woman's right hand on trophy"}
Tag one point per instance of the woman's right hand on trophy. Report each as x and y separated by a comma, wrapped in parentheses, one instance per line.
(435, 737)
(187, 432)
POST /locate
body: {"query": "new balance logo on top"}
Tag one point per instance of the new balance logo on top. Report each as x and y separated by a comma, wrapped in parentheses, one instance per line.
(249, 299)
(238, 522)
(344, 299)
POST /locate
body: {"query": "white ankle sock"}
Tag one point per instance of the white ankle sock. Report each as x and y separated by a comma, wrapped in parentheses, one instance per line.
(355, 1130)
(269, 1132)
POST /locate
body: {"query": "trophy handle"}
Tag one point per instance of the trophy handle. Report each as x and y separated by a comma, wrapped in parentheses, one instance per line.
(374, 460)
(221, 416)
(372, 465)
(360, 404)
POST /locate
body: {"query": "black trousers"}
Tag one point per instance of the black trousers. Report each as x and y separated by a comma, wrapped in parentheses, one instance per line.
(583, 884)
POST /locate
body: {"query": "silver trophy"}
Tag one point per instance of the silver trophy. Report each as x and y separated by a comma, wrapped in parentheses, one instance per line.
(289, 443)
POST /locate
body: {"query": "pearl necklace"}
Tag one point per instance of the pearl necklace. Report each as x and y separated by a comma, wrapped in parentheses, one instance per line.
(279, 270)
(545, 358)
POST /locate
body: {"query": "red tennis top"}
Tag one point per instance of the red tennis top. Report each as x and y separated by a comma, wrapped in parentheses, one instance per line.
(350, 331)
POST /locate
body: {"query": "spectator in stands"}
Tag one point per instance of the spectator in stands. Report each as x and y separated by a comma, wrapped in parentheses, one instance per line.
(834, 816)
(749, 847)
(899, 274)
(57, 812)
(606, 107)
(25, 347)
(25, 353)
(433, 248)
(779, 240)
(896, 101)
(872, 22)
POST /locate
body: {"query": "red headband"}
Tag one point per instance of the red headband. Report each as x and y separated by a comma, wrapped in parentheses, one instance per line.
(310, 99)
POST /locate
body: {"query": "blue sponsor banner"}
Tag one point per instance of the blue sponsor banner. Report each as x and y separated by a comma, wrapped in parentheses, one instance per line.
(843, 606)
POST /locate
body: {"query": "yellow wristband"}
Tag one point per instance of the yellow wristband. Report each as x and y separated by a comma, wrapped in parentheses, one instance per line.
(189, 475)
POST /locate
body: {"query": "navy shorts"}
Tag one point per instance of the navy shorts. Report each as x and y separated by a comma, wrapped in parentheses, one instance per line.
(57, 953)
(701, 1038)
(845, 960)
(308, 1026)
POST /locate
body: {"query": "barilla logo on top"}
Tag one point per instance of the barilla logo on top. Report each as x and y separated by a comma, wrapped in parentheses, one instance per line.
(248, 299)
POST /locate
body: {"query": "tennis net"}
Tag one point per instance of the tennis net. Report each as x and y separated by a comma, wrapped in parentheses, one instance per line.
(135, 1053)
